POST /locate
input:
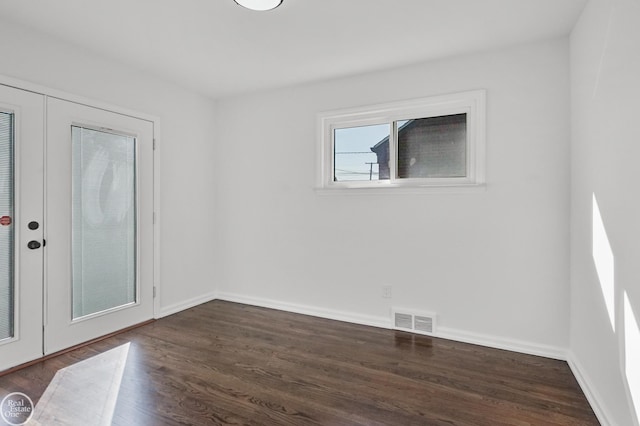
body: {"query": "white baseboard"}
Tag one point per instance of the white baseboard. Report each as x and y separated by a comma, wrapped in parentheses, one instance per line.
(385, 322)
(181, 306)
(589, 390)
(373, 321)
(502, 343)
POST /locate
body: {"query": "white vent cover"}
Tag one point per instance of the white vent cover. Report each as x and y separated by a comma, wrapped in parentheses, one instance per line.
(403, 321)
(415, 322)
(423, 324)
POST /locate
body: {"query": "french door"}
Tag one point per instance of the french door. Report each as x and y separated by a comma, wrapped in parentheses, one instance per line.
(99, 217)
(21, 230)
(79, 257)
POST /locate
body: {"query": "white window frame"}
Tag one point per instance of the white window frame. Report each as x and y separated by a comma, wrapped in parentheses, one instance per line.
(472, 103)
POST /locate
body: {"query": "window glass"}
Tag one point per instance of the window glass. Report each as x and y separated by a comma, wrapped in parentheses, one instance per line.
(355, 155)
(6, 226)
(434, 147)
(104, 221)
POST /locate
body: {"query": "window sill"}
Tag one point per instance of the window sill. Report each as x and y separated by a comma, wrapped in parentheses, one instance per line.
(403, 190)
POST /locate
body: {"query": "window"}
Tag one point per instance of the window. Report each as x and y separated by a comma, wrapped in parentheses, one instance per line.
(423, 143)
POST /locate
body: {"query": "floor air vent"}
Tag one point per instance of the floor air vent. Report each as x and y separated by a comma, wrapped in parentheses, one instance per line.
(415, 322)
(423, 324)
(404, 321)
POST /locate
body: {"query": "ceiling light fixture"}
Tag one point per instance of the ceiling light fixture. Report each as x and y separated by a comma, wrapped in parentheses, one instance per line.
(259, 4)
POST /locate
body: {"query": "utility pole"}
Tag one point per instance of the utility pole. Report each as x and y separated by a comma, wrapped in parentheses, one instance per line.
(370, 170)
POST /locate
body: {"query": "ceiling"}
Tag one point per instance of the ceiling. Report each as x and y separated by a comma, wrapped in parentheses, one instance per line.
(221, 49)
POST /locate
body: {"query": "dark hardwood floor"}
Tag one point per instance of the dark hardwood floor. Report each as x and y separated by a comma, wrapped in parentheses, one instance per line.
(225, 363)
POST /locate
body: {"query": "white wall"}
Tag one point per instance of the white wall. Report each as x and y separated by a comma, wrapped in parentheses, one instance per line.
(493, 265)
(187, 134)
(605, 81)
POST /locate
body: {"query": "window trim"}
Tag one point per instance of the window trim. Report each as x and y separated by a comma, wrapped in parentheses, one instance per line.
(473, 103)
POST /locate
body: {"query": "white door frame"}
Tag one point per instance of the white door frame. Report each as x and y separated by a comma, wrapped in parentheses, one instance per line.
(53, 93)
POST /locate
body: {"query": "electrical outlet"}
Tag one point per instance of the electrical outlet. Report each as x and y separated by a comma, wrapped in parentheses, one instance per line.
(386, 291)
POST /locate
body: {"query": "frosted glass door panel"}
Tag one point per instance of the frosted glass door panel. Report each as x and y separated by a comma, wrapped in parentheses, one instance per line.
(104, 274)
(6, 226)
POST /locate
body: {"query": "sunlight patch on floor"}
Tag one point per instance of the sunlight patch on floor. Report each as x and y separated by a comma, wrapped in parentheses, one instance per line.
(84, 393)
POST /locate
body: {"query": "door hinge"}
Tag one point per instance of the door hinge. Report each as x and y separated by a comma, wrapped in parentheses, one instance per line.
(154, 218)
(154, 292)
(154, 144)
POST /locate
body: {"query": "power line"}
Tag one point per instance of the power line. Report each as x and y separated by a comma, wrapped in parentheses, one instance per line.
(352, 172)
(354, 152)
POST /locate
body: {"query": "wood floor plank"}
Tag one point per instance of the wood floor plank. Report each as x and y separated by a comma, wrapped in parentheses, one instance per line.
(223, 363)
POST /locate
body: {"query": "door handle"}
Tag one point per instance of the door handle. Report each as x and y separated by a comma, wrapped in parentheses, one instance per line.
(34, 245)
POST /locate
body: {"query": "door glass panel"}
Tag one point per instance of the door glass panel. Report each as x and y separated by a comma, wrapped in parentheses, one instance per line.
(6, 226)
(104, 221)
